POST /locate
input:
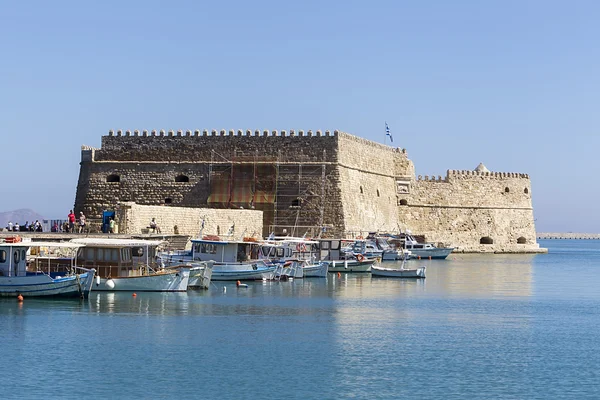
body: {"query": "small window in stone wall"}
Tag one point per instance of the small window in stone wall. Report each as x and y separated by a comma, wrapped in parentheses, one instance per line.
(377, 192)
(521, 240)
(361, 190)
(506, 190)
(486, 240)
(296, 203)
(113, 178)
(526, 191)
(403, 202)
(182, 178)
(168, 200)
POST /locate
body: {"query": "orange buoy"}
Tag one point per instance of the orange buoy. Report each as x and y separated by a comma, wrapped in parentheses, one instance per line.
(134, 295)
(20, 297)
(430, 257)
(419, 257)
(238, 283)
(339, 274)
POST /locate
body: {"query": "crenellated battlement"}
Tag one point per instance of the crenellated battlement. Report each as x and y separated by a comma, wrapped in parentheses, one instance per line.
(223, 132)
(460, 173)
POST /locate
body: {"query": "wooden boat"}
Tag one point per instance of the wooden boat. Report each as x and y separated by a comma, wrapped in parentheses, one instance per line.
(401, 272)
(129, 265)
(15, 280)
(312, 270)
(362, 265)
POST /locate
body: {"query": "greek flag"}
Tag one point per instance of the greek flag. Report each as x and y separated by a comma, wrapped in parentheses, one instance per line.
(387, 132)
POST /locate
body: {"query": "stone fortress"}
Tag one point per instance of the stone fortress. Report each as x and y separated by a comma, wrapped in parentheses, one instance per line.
(300, 182)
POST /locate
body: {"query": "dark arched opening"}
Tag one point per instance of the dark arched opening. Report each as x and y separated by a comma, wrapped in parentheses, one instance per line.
(506, 190)
(113, 178)
(182, 178)
(296, 203)
(168, 200)
(403, 202)
(486, 240)
(361, 190)
(526, 191)
(521, 240)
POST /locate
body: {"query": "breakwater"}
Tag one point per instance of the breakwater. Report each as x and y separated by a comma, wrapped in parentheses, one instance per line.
(568, 235)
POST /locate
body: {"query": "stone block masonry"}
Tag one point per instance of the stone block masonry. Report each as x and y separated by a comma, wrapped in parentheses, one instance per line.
(134, 218)
(303, 182)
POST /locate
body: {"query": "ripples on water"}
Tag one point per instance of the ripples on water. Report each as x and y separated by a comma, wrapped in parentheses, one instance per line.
(502, 326)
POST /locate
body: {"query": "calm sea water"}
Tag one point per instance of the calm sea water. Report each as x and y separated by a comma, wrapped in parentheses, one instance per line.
(479, 327)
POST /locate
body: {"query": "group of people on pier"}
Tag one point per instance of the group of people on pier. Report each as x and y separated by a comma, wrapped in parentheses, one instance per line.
(26, 227)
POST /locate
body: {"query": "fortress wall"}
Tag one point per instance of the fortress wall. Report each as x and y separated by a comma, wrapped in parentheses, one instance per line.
(132, 218)
(150, 184)
(465, 206)
(366, 155)
(372, 210)
(464, 227)
(472, 189)
(197, 146)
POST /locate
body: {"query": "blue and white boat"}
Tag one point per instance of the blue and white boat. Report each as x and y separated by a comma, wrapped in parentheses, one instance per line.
(234, 260)
(16, 280)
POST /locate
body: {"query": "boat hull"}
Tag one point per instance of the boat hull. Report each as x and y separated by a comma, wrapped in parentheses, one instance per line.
(165, 281)
(434, 254)
(349, 265)
(41, 285)
(220, 274)
(316, 270)
(398, 272)
(200, 278)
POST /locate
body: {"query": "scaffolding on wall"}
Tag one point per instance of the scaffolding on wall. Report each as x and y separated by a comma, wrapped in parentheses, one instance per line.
(290, 194)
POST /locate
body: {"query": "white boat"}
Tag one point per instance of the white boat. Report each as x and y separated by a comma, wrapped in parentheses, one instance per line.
(200, 276)
(338, 259)
(422, 250)
(287, 270)
(233, 260)
(15, 280)
(129, 265)
(363, 265)
(318, 270)
(401, 272)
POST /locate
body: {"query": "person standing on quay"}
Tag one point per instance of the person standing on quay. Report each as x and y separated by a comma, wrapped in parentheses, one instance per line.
(81, 222)
(111, 225)
(71, 219)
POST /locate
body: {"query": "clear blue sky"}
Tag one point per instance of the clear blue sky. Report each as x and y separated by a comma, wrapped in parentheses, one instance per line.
(512, 84)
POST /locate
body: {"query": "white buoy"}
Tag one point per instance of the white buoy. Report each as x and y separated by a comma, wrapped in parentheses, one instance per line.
(224, 289)
(346, 264)
(110, 284)
(97, 280)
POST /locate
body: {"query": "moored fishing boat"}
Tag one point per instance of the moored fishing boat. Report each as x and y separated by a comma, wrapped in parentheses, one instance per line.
(232, 259)
(129, 265)
(339, 259)
(421, 250)
(15, 280)
(377, 270)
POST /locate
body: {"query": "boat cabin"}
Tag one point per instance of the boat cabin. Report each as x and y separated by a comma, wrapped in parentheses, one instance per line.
(230, 251)
(334, 249)
(118, 257)
(289, 248)
(13, 259)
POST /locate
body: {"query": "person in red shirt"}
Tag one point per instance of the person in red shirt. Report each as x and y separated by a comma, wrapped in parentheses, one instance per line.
(71, 218)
